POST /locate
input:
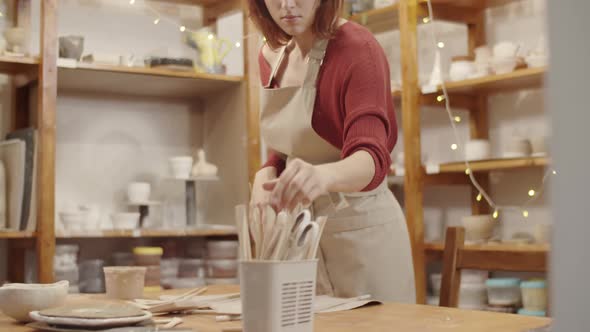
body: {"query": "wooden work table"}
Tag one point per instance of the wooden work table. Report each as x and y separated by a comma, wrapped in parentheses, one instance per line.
(388, 317)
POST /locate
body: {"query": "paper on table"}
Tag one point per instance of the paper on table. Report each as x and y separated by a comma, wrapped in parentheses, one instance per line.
(323, 304)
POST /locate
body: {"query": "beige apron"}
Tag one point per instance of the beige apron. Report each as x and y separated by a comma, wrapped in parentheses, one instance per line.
(365, 248)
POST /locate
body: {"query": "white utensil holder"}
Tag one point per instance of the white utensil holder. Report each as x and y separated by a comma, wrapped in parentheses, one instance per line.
(278, 296)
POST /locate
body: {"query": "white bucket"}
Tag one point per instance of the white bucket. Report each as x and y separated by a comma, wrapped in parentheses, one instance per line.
(278, 296)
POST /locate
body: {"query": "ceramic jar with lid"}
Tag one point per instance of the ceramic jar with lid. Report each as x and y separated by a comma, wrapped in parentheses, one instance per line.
(503, 291)
(150, 258)
(534, 295)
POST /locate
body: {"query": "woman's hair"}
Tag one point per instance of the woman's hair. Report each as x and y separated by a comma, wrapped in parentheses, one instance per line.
(324, 25)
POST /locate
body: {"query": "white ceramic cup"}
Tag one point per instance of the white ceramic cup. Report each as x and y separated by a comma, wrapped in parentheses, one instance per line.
(478, 149)
(483, 54)
(504, 65)
(479, 227)
(181, 166)
(539, 145)
(138, 192)
(505, 49)
(517, 148)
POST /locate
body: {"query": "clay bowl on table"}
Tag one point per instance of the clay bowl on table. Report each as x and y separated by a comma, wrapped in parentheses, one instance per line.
(18, 300)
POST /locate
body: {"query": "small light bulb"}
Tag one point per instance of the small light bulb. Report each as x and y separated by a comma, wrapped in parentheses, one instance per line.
(182, 28)
(554, 172)
(131, 2)
(238, 44)
(457, 119)
(496, 214)
(210, 36)
(441, 45)
(525, 213)
(440, 98)
(467, 171)
(264, 39)
(531, 193)
(156, 21)
(479, 197)
(425, 20)
(1, 14)
(454, 146)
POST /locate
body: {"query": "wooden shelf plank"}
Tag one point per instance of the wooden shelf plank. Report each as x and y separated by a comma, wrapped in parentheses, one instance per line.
(494, 164)
(16, 235)
(378, 20)
(484, 255)
(474, 4)
(529, 78)
(147, 233)
(16, 65)
(140, 81)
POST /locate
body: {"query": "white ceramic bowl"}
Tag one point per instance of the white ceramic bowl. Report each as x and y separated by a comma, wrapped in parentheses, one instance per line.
(222, 249)
(138, 192)
(478, 149)
(479, 227)
(503, 291)
(536, 61)
(504, 65)
(18, 300)
(181, 166)
(73, 221)
(15, 36)
(483, 54)
(125, 220)
(461, 70)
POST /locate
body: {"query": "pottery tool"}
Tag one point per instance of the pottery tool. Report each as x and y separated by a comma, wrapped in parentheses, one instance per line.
(303, 241)
(268, 220)
(228, 318)
(321, 221)
(256, 229)
(243, 232)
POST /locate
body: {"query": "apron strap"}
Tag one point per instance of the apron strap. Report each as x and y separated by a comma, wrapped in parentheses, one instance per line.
(277, 64)
(315, 60)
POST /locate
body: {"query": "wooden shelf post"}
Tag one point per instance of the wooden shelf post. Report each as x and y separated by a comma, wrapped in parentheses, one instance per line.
(47, 103)
(414, 179)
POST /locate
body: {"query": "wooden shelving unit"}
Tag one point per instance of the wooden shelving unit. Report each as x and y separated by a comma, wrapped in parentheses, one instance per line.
(471, 95)
(239, 97)
(151, 233)
(139, 81)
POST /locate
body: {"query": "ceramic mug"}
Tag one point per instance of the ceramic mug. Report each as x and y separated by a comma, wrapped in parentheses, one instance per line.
(461, 70)
(181, 166)
(505, 49)
(478, 149)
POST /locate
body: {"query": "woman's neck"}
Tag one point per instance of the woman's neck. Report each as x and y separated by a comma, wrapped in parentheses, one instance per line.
(304, 42)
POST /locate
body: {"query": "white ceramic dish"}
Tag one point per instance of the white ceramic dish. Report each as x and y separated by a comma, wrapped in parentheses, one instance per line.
(125, 220)
(92, 322)
(222, 249)
(181, 166)
(138, 192)
(505, 49)
(73, 221)
(504, 65)
(483, 54)
(517, 148)
(479, 227)
(18, 300)
(478, 149)
(537, 61)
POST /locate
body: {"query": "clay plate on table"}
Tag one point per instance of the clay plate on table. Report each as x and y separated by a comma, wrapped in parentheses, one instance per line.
(137, 328)
(103, 315)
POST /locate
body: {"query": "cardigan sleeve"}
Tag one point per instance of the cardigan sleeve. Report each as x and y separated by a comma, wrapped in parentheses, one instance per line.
(366, 99)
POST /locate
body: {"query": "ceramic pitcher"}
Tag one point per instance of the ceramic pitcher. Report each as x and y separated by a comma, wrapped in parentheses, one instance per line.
(212, 50)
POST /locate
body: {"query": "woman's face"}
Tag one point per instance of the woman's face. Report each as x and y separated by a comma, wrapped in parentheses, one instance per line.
(293, 16)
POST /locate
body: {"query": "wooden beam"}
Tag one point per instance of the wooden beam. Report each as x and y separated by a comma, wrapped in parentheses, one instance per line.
(458, 101)
(455, 14)
(16, 262)
(212, 11)
(451, 275)
(251, 49)
(532, 261)
(414, 179)
(46, 118)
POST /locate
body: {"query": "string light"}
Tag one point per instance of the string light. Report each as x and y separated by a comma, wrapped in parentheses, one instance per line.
(467, 171)
(425, 20)
(182, 28)
(457, 119)
(495, 214)
(454, 146)
(525, 213)
(238, 44)
(441, 45)
(210, 36)
(554, 172)
(1, 14)
(131, 2)
(440, 98)
(531, 192)
(479, 197)
(156, 21)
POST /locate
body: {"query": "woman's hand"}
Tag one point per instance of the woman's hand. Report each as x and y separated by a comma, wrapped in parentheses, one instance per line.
(260, 197)
(300, 182)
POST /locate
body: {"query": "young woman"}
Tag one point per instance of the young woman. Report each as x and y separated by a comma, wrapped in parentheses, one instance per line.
(327, 115)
